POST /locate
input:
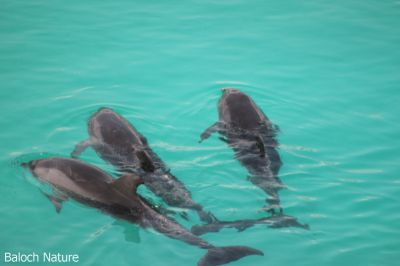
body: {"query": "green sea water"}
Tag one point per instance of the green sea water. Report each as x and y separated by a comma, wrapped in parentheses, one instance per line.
(326, 72)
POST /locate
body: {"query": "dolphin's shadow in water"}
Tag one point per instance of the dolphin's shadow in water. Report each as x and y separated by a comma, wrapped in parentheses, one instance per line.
(131, 232)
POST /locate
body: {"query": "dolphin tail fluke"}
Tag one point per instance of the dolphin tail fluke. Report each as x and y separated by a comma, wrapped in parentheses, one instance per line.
(223, 255)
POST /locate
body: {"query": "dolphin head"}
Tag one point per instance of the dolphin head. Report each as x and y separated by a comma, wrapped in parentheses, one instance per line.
(233, 96)
(38, 168)
(50, 170)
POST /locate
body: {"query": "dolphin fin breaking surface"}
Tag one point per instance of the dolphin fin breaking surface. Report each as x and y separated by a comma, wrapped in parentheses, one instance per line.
(127, 184)
(145, 162)
(260, 146)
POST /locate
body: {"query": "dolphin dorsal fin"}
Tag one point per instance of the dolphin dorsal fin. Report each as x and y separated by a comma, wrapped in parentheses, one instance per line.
(127, 184)
(145, 161)
(260, 146)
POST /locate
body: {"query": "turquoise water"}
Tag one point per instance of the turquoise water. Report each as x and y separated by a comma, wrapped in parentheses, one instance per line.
(327, 73)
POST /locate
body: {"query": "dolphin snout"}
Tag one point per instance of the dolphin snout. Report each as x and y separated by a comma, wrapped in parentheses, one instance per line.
(228, 90)
(104, 110)
(31, 165)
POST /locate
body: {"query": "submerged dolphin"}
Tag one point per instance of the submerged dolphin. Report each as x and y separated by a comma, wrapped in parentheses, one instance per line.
(275, 221)
(91, 186)
(119, 143)
(252, 136)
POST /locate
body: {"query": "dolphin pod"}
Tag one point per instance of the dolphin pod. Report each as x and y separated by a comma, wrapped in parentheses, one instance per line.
(242, 125)
(119, 143)
(90, 186)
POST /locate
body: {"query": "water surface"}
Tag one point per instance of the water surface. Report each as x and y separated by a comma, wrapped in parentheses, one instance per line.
(326, 73)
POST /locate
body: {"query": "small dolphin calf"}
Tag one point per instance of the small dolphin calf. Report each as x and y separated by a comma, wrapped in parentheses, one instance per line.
(92, 187)
(119, 143)
(251, 135)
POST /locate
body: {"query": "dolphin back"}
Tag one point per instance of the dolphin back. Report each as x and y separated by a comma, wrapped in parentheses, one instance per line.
(223, 255)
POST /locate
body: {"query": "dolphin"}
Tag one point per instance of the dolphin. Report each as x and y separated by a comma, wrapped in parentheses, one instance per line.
(91, 186)
(252, 136)
(119, 143)
(275, 221)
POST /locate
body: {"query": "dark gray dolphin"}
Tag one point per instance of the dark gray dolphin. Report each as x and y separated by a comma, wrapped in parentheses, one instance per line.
(275, 221)
(252, 136)
(119, 143)
(91, 186)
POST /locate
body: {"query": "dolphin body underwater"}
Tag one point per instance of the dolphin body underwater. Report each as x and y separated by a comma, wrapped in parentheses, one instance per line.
(90, 186)
(251, 135)
(275, 221)
(116, 141)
